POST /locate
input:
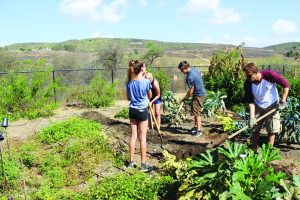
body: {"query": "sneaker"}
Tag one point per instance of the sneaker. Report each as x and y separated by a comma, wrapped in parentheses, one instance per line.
(197, 133)
(146, 167)
(193, 130)
(131, 165)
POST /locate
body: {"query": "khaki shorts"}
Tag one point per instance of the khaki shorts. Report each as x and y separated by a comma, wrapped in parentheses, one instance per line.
(272, 122)
(197, 105)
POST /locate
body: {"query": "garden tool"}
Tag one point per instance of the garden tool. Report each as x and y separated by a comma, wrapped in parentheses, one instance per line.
(178, 111)
(156, 124)
(211, 145)
(151, 121)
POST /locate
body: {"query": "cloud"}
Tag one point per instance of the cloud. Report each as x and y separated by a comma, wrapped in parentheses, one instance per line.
(93, 10)
(283, 27)
(225, 16)
(219, 15)
(143, 2)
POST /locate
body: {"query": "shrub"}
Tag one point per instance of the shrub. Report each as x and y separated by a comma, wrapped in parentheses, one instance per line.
(137, 186)
(163, 80)
(99, 93)
(225, 74)
(123, 113)
(27, 98)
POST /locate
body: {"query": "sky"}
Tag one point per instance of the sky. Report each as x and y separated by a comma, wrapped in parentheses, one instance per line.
(256, 23)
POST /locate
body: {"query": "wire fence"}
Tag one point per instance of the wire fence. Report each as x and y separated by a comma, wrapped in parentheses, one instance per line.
(71, 79)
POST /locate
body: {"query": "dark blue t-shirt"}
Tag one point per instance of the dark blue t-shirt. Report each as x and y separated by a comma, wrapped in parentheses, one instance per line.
(194, 78)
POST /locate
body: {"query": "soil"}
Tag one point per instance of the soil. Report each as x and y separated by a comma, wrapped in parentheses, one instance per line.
(176, 139)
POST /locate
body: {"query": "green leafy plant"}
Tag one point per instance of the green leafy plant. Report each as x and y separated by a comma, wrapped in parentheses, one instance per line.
(228, 123)
(214, 102)
(226, 75)
(225, 173)
(136, 186)
(171, 107)
(123, 113)
(29, 98)
(290, 118)
(99, 93)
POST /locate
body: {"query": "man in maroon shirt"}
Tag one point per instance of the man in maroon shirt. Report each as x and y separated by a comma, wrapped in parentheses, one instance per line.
(262, 96)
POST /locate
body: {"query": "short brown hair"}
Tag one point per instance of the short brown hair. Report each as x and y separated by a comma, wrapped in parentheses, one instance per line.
(250, 68)
(184, 64)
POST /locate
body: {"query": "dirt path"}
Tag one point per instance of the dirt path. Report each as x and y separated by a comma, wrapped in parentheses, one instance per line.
(175, 139)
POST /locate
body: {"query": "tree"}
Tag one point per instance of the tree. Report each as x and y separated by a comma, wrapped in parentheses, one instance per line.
(153, 51)
(111, 56)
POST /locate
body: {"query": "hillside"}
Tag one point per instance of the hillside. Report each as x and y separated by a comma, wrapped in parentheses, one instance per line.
(193, 50)
(284, 47)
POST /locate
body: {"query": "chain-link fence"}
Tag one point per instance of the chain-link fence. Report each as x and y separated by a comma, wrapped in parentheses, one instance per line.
(72, 79)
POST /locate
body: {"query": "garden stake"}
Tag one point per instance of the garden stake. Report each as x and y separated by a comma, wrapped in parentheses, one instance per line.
(157, 127)
(241, 130)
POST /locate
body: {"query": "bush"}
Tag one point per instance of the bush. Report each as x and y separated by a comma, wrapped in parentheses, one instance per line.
(225, 74)
(123, 113)
(99, 93)
(163, 80)
(27, 98)
(137, 186)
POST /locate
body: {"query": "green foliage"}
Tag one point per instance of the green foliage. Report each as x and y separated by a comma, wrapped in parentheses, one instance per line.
(171, 107)
(290, 118)
(225, 74)
(163, 80)
(214, 102)
(98, 94)
(225, 173)
(153, 52)
(294, 87)
(65, 47)
(29, 98)
(228, 123)
(73, 127)
(136, 186)
(11, 170)
(123, 113)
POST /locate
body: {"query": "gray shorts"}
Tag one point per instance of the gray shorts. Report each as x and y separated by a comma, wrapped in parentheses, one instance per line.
(272, 122)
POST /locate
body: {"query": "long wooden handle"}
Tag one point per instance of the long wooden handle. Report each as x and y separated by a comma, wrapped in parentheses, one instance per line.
(179, 109)
(154, 119)
(246, 127)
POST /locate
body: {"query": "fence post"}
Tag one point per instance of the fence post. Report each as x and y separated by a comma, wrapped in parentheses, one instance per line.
(263, 67)
(283, 69)
(54, 89)
(112, 75)
(269, 67)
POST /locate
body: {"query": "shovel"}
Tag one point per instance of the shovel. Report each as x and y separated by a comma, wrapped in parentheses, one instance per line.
(211, 145)
(156, 124)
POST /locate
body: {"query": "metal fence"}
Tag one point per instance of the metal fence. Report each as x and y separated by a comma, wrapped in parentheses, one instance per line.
(72, 79)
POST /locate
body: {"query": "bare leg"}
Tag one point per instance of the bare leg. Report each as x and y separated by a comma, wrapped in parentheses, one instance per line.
(198, 123)
(157, 114)
(271, 138)
(142, 137)
(133, 137)
(255, 139)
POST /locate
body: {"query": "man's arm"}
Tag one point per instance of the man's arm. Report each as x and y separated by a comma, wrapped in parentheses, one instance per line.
(189, 93)
(285, 94)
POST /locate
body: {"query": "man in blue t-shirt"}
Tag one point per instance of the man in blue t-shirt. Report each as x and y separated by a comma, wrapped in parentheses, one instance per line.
(197, 90)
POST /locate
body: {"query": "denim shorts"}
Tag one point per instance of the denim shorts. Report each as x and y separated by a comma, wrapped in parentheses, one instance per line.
(138, 114)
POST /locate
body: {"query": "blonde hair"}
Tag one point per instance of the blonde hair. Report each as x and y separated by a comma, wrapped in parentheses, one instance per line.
(149, 76)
